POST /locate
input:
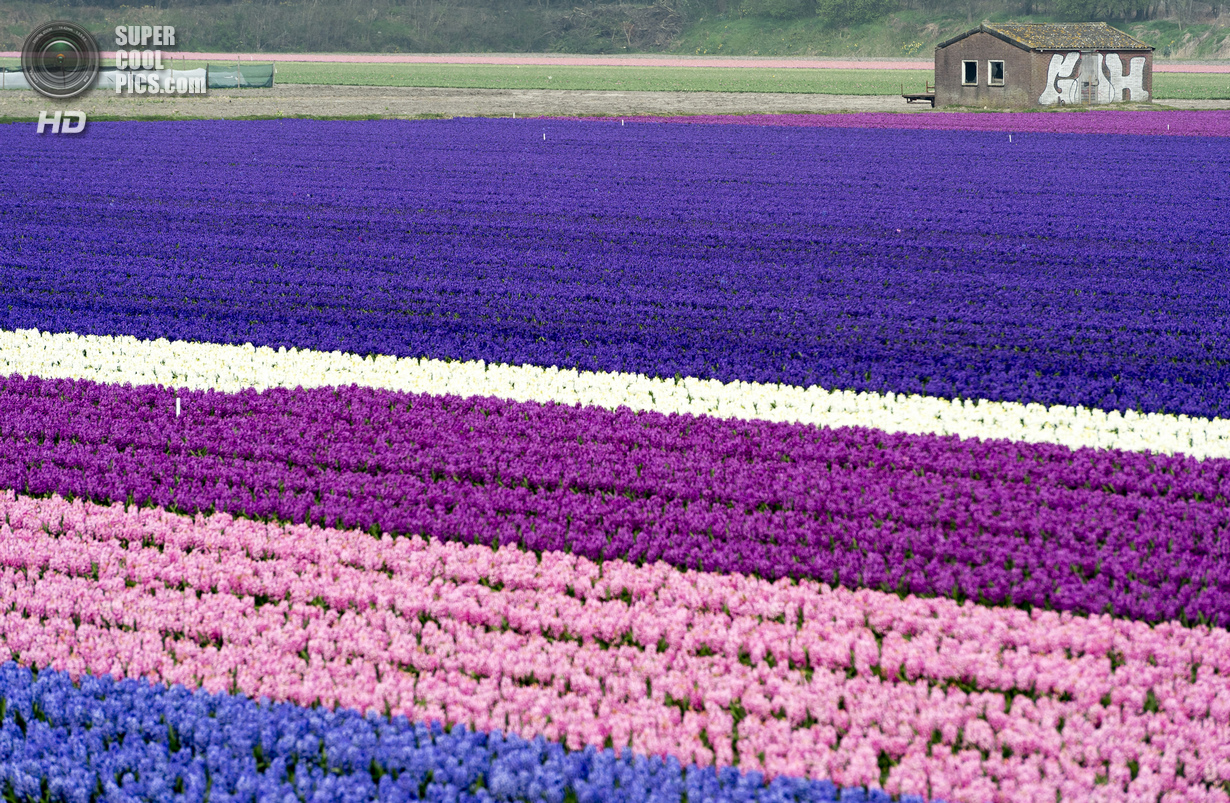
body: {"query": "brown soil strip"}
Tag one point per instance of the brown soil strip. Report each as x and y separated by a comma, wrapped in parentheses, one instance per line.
(304, 100)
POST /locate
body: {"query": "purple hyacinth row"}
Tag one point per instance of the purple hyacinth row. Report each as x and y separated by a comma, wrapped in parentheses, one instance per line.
(1023, 271)
(1210, 123)
(1000, 522)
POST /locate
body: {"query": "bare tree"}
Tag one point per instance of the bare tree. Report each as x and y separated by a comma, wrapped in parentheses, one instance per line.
(1182, 10)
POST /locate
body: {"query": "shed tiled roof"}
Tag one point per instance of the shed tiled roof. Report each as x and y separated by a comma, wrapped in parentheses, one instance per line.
(1066, 36)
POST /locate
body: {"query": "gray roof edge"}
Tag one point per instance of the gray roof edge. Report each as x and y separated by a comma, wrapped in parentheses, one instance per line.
(957, 38)
(984, 29)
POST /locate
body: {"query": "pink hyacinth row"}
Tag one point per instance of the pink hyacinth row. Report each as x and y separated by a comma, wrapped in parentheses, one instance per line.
(956, 701)
(1194, 123)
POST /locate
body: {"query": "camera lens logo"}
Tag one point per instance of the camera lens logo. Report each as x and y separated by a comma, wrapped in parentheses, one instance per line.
(60, 60)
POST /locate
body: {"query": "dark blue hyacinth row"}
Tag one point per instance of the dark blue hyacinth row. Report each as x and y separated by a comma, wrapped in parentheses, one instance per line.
(1061, 269)
(102, 739)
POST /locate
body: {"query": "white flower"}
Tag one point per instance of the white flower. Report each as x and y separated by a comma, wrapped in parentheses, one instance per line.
(232, 368)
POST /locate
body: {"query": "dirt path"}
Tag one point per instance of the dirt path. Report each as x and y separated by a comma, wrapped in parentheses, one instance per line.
(345, 101)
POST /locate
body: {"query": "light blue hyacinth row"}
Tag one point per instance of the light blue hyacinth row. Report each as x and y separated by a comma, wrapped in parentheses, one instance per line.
(102, 739)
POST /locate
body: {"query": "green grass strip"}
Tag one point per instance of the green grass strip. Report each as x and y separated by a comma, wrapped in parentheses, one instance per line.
(632, 79)
(1178, 86)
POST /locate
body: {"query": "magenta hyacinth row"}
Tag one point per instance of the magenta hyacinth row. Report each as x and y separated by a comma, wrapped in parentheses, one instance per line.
(1209, 123)
(921, 696)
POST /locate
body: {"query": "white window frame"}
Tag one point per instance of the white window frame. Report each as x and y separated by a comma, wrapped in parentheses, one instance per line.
(991, 72)
(964, 72)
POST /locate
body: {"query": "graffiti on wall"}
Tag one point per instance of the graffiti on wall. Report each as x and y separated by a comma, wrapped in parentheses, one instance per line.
(1070, 82)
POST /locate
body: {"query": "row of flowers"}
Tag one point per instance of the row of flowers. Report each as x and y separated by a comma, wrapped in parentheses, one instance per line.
(209, 366)
(93, 738)
(922, 697)
(1211, 123)
(737, 253)
(1001, 522)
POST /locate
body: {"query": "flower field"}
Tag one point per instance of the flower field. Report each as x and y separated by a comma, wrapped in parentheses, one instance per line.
(574, 460)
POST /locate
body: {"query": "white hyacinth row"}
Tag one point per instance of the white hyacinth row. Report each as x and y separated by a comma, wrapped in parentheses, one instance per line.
(231, 368)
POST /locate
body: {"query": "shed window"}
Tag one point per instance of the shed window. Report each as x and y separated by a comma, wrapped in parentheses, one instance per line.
(969, 73)
(995, 73)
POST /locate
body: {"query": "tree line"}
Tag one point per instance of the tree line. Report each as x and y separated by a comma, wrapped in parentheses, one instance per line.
(524, 25)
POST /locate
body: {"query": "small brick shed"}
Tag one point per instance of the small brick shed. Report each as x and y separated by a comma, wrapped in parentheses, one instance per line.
(1019, 65)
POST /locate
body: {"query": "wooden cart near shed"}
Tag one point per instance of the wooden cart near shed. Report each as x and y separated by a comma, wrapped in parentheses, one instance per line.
(928, 94)
(1022, 65)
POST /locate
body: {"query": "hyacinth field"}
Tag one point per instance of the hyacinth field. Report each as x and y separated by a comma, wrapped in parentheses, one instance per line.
(855, 458)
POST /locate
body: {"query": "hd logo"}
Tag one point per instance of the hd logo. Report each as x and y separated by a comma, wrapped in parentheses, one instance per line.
(60, 60)
(59, 122)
